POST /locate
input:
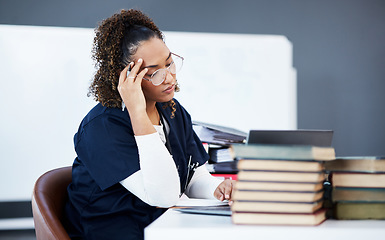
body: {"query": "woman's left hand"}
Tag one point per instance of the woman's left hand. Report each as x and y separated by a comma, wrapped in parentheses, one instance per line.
(224, 190)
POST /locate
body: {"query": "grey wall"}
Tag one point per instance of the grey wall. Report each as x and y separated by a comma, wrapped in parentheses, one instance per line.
(339, 50)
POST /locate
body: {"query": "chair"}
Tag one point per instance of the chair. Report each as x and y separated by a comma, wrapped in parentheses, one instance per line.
(48, 200)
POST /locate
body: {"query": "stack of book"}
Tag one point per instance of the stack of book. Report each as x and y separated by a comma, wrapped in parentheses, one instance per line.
(358, 187)
(279, 184)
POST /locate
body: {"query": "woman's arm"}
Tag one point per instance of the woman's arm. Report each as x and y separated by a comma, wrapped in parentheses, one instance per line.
(157, 182)
(202, 184)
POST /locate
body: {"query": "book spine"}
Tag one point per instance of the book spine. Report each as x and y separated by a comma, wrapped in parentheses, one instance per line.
(282, 152)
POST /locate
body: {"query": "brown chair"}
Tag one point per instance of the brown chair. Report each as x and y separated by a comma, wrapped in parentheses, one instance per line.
(48, 200)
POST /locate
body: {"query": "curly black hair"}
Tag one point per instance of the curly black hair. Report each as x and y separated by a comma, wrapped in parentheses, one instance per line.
(117, 39)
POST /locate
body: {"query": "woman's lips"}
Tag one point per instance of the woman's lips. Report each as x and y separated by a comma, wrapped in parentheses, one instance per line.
(169, 89)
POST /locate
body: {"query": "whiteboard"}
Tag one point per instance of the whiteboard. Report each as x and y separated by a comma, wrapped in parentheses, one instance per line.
(235, 80)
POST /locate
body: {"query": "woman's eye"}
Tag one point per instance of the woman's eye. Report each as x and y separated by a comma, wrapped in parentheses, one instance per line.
(154, 74)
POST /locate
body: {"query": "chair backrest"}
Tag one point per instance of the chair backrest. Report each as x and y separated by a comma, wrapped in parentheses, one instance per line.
(48, 201)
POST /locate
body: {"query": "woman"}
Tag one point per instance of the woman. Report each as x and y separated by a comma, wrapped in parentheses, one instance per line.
(136, 150)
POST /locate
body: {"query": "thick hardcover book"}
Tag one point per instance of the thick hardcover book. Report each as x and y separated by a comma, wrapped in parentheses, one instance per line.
(285, 152)
(278, 186)
(251, 218)
(270, 176)
(358, 195)
(280, 165)
(280, 207)
(277, 196)
(357, 164)
(351, 179)
(356, 211)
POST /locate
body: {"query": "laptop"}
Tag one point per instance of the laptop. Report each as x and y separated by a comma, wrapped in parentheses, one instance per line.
(322, 138)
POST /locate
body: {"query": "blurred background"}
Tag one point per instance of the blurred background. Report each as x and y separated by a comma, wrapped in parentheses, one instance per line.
(338, 50)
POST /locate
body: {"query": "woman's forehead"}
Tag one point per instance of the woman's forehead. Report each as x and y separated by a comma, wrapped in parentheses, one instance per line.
(152, 51)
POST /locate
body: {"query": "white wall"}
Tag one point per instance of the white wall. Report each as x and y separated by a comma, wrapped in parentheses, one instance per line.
(240, 81)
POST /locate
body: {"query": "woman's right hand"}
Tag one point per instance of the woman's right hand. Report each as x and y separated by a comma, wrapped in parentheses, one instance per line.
(130, 87)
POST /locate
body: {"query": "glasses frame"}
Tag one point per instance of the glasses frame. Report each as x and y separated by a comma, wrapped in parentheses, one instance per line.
(167, 69)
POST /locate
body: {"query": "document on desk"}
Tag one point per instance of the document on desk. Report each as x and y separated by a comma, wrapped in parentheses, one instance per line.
(203, 206)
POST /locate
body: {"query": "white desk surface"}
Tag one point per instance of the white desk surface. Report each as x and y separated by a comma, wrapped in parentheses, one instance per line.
(176, 225)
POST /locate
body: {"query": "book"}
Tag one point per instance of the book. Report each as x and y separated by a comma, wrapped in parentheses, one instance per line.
(198, 202)
(250, 218)
(219, 154)
(280, 207)
(202, 206)
(357, 164)
(278, 186)
(352, 179)
(276, 196)
(221, 210)
(280, 165)
(270, 176)
(285, 152)
(216, 134)
(358, 195)
(223, 167)
(356, 211)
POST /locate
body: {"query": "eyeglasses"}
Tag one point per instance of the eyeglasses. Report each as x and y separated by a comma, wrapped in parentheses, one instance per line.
(159, 75)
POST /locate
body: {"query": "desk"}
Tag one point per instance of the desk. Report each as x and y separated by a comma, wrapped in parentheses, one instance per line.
(176, 225)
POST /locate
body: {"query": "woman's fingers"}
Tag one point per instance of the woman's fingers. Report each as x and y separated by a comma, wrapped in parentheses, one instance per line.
(218, 194)
(130, 88)
(124, 74)
(133, 74)
(224, 190)
(228, 189)
(135, 69)
(139, 77)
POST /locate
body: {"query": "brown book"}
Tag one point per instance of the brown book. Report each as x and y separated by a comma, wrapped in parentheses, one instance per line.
(270, 176)
(358, 194)
(277, 196)
(280, 207)
(371, 180)
(278, 186)
(251, 218)
(356, 211)
(357, 164)
(280, 165)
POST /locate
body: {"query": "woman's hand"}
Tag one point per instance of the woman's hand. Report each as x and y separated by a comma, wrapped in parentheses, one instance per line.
(130, 88)
(224, 190)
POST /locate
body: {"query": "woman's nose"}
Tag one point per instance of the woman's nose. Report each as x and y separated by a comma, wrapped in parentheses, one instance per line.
(169, 77)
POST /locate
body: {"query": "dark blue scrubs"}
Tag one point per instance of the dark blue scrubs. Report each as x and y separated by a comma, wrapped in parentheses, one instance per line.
(99, 206)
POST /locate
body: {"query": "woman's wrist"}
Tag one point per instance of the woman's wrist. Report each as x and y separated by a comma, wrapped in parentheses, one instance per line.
(141, 123)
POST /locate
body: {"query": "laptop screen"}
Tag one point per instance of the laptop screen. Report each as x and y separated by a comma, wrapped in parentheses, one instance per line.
(322, 138)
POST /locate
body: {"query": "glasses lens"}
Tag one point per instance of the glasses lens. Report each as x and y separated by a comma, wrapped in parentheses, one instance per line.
(158, 77)
(177, 64)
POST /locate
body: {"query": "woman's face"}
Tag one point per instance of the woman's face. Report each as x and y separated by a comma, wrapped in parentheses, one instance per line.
(156, 55)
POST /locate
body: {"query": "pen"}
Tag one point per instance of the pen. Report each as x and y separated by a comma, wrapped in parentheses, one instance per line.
(190, 171)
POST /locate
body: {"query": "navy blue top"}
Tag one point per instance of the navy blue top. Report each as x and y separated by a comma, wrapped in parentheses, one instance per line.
(99, 207)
